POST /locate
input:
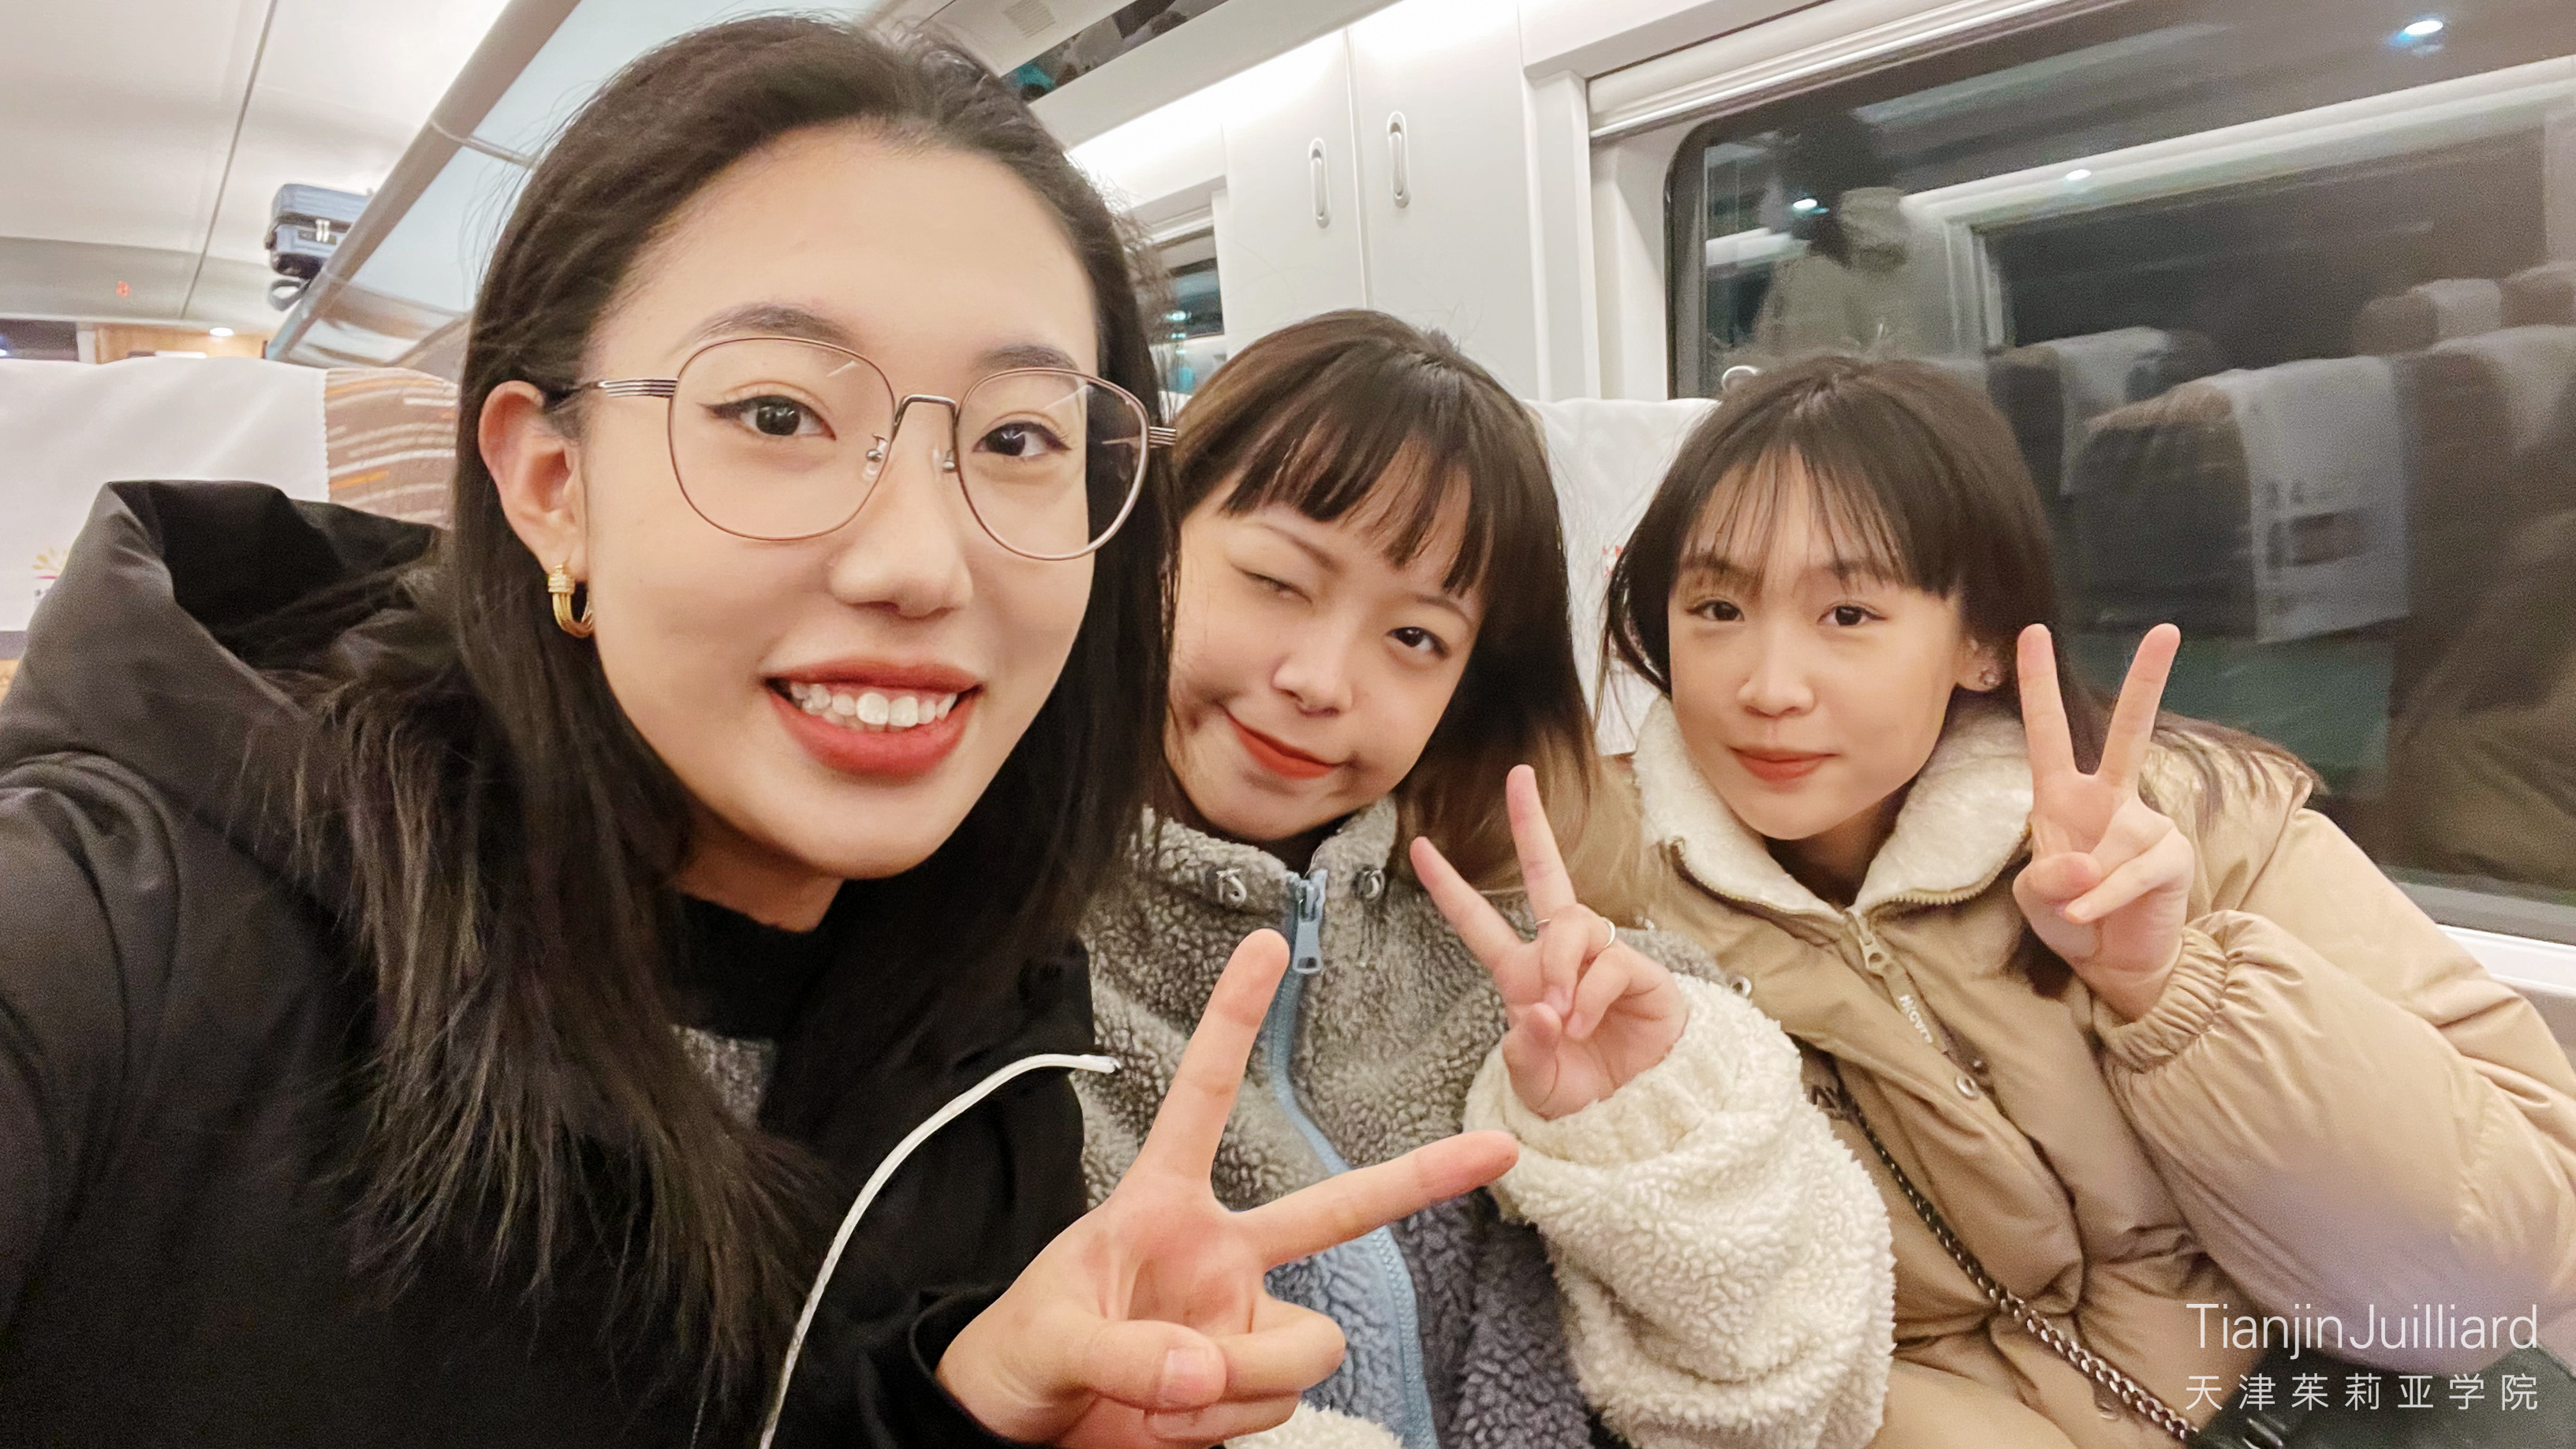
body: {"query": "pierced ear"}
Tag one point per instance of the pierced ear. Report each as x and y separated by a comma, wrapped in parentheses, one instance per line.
(1983, 672)
(536, 475)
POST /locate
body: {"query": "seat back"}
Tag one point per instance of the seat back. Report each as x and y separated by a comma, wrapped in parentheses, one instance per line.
(2483, 418)
(1608, 457)
(2285, 486)
(376, 438)
(2540, 296)
(2428, 313)
(391, 437)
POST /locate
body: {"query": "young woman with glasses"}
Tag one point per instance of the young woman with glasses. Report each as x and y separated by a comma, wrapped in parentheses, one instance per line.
(524, 985)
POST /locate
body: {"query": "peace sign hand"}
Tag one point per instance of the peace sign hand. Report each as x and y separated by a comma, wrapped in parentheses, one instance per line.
(1586, 1012)
(1145, 1323)
(2109, 879)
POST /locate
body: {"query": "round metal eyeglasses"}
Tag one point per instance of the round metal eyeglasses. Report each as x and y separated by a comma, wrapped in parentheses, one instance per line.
(779, 438)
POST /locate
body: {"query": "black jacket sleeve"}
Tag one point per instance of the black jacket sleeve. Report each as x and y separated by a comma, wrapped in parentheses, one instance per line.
(875, 1385)
(953, 1226)
(78, 878)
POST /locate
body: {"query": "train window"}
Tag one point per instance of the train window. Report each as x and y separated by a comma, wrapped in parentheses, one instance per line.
(2281, 302)
(1190, 341)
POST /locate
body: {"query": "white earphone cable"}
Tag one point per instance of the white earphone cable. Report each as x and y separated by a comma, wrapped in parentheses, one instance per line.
(956, 1107)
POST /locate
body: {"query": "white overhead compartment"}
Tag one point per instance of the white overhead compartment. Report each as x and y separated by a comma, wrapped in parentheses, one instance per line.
(1288, 239)
(1396, 164)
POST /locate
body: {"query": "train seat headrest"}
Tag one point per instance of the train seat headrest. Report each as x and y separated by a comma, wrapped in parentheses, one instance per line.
(1608, 455)
(2544, 295)
(2427, 313)
(2533, 369)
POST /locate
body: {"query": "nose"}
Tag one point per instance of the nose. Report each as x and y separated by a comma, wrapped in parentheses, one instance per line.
(1316, 671)
(1778, 681)
(909, 548)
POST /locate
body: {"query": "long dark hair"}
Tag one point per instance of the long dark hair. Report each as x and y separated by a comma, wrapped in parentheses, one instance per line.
(1913, 472)
(502, 841)
(1315, 417)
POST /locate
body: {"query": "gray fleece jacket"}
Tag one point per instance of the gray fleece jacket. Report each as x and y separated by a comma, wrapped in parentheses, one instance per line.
(1459, 1317)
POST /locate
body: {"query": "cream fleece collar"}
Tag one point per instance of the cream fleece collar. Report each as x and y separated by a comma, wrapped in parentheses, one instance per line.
(1960, 827)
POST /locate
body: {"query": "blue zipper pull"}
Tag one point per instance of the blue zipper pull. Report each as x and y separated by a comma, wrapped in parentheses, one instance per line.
(1306, 922)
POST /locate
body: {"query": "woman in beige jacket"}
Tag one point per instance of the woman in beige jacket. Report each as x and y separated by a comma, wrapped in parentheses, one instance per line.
(2165, 1050)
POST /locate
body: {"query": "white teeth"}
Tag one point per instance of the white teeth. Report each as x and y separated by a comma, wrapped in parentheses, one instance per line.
(870, 710)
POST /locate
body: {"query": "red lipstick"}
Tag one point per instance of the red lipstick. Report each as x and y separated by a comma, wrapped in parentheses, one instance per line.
(900, 753)
(1279, 758)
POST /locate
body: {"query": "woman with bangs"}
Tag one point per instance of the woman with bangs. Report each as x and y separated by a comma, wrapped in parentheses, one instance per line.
(2144, 1051)
(1370, 637)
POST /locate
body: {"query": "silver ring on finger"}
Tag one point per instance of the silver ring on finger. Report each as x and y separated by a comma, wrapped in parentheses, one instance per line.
(1604, 920)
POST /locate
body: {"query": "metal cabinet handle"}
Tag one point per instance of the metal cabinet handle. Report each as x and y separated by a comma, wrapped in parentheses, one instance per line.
(1315, 171)
(1398, 168)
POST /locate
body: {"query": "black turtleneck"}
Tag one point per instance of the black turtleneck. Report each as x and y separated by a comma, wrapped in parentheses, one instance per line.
(735, 977)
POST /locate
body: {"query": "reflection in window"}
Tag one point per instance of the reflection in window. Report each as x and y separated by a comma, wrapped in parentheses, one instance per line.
(2281, 302)
(1189, 340)
(1098, 44)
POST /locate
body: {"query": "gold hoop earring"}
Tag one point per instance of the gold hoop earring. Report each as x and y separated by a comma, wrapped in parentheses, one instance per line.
(559, 585)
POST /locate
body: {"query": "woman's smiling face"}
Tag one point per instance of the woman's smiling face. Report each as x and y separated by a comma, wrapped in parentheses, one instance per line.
(1308, 668)
(1809, 685)
(836, 704)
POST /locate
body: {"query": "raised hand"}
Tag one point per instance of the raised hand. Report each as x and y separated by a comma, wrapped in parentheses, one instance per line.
(1145, 1323)
(2109, 879)
(1586, 1013)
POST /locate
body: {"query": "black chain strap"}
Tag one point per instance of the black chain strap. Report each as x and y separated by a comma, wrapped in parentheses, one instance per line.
(1838, 1101)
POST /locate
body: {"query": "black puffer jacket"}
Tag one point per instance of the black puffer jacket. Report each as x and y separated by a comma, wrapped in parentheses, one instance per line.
(182, 1041)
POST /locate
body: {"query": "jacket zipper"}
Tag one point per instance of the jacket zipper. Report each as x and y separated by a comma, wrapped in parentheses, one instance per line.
(1875, 954)
(1900, 981)
(1935, 1034)
(1305, 932)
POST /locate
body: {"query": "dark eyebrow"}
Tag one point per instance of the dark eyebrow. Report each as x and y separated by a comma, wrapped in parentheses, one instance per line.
(1332, 565)
(785, 319)
(1715, 569)
(1865, 571)
(774, 319)
(1323, 560)
(1726, 573)
(1444, 601)
(1025, 354)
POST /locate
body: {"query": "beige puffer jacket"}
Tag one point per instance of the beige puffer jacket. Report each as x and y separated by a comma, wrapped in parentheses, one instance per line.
(2333, 1110)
